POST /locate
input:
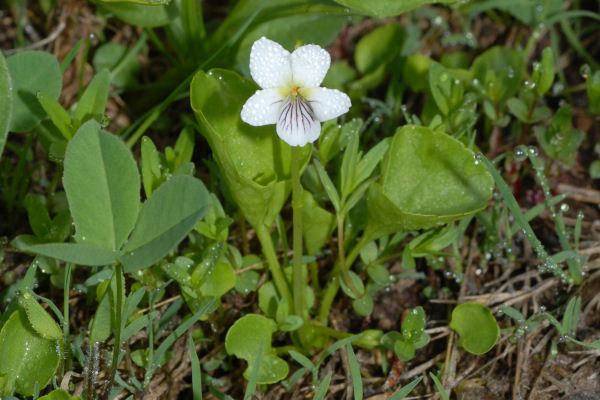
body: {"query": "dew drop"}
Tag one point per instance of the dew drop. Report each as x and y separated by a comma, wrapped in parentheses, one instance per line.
(564, 207)
(584, 71)
(520, 154)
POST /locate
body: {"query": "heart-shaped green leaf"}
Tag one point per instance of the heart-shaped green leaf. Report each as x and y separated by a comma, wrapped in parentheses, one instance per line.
(428, 179)
(103, 187)
(31, 72)
(27, 357)
(165, 218)
(244, 339)
(254, 162)
(476, 326)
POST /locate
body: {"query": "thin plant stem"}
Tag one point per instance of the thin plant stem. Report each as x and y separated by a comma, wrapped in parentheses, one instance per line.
(334, 284)
(66, 333)
(342, 256)
(298, 286)
(274, 267)
(117, 333)
(150, 332)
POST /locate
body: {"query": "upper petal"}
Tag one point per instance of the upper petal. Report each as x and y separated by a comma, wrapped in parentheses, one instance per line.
(309, 65)
(297, 125)
(270, 64)
(327, 103)
(262, 108)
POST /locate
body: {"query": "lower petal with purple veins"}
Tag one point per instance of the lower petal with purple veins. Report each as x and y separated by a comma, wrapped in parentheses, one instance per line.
(297, 124)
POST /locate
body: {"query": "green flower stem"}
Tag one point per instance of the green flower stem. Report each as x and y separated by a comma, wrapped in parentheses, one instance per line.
(269, 251)
(334, 284)
(117, 333)
(298, 285)
(342, 255)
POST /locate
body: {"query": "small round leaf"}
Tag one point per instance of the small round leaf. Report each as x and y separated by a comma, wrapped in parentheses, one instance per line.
(476, 326)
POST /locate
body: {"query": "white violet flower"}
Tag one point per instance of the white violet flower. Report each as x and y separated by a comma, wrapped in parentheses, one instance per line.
(290, 95)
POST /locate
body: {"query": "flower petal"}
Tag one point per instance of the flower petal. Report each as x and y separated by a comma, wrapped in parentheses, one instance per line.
(262, 108)
(309, 65)
(270, 64)
(327, 103)
(297, 125)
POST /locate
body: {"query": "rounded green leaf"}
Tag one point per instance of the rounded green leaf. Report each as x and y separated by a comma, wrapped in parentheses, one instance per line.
(6, 102)
(413, 324)
(244, 340)
(220, 280)
(165, 219)
(32, 72)
(27, 357)
(102, 183)
(387, 8)
(476, 326)
(404, 349)
(254, 162)
(428, 179)
(363, 305)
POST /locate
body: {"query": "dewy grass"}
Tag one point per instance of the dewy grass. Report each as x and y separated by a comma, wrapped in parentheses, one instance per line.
(509, 199)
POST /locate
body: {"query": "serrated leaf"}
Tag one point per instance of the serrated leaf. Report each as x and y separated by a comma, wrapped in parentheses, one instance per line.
(39, 319)
(27, 357)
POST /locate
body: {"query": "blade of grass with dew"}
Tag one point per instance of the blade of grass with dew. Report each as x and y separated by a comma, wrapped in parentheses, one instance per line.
(196, 372)
(180, 330)
(405, 390)
(357, 385)
(520, 219)
(251, 388)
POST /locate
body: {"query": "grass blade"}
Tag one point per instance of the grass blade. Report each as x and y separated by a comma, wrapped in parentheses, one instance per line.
(439, 387)
(251, 388)
(323, 387)
(405, 390)
(196, 372)
(355, 373)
